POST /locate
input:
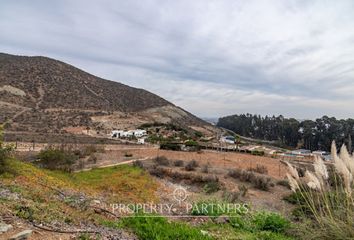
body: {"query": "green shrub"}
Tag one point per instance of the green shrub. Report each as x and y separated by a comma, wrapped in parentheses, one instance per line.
(257, 153)
(148, 228)
(198, 134)
(211, 187)
(178, 163)
(262, 183)
(170, 146)
(284, 183)
(162, 160)
(265, 235)
(265, 221)
(57, 159)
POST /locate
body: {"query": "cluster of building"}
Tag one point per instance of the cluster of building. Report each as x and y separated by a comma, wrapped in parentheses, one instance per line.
(305, 152)
(138, 133)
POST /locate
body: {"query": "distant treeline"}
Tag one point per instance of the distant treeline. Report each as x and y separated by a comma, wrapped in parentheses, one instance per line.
(313, 135)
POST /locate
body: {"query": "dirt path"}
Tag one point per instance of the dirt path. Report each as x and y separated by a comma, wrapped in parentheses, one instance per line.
(112, 165)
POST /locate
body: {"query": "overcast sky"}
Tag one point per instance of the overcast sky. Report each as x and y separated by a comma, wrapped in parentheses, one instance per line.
(212, 58)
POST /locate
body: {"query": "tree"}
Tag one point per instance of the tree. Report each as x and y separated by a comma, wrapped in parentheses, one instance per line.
(309, 134)
(350, 144)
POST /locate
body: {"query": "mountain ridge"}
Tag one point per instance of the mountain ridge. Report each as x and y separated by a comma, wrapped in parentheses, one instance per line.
(42, 94)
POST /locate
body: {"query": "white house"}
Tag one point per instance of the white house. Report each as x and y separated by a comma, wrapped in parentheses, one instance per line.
(117, 133)
(301, 152)
(139, 133)
(126, 134)
(228, 139)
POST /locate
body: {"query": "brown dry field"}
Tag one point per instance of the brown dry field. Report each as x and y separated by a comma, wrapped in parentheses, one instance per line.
(224, 160)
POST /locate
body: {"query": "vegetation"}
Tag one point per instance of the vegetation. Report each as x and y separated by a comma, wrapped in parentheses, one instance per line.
(325, 197)
(170, 146)
(259, 169)
(148, 227)
(138, 164)
(211, 187)
(54, 196)
(259, 181)
(191, 166)
(58, 159)
(162, 161)
(178, 163)
(205, 168)
(192, 144)
(284, 183)
(5, 151)
(257, 153)
(309, 134)
(241, 225)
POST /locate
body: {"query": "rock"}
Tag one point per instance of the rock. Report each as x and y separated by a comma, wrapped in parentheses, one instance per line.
(7, 194)
(5, 227)
(22, 235)
(222, 220)
(96, 202)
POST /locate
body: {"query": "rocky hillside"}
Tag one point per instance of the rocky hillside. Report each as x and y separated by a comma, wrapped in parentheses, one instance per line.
(39, 94)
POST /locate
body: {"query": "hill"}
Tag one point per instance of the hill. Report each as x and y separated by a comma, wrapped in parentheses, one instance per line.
(39, 94)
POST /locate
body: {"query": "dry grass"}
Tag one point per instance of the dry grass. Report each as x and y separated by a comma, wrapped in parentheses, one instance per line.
(42, 200)
(327, 194)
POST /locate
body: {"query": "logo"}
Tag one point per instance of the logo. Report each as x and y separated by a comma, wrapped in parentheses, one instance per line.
(180, 194)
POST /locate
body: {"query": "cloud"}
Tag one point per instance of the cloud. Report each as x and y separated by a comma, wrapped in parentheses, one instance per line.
(211, 57)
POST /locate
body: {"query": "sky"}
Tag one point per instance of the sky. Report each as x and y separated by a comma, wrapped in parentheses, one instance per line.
(210, 57)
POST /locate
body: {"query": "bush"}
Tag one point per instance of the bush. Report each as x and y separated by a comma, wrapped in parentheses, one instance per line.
(273, 222)
(211, 187)
(170, 146)
(325, 197)
(92, 159)
(178, 163)
(259, 169)
(284, 183)
(57, 159)
(262, 183)
(191, 166)
(163, 161)
(231, 197)
(258, 181)
(198, 134)
(138, 164)
(257, 153)
(157, 172)
(234, 173)
(205, 169)
(91, 149)
(128, 155)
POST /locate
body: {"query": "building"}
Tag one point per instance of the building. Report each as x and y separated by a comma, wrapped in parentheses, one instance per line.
(228, 139)
(324, 155)
(128, 134)
(301, 152)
